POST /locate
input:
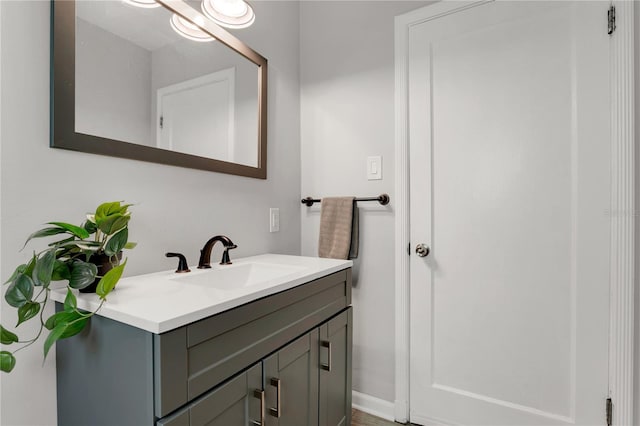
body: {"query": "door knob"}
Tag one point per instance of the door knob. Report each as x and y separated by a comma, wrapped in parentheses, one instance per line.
(422, 250)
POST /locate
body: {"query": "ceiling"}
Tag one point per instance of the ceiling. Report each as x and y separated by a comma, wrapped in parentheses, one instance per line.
(146, 28)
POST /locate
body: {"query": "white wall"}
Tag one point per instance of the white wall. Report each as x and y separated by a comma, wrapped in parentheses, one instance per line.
(114, 86)
(347, 114)
(182, 61)
(175, 209)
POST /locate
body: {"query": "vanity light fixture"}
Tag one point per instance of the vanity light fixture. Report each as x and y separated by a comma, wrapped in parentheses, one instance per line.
(233, 14)
(147, 4)
(189, 30)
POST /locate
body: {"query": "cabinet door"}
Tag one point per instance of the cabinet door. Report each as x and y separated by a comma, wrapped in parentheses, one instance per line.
(239, 402)
(291, 383)
(335, 370)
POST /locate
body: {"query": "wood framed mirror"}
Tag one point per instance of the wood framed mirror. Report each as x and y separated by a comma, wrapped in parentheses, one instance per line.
(125, 84)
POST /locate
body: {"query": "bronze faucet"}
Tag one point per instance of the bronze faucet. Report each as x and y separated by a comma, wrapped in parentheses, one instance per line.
(205, 253)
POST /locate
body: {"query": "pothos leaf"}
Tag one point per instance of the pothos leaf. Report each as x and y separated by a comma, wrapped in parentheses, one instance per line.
(45, 232)
(60, 242)
(20, 291)
(31, 265)
(106, 209)
(44, 268)
(74, 328)
(113, 223)
(116, 242)
(110, 208)
(73, 229)
(53, 336)
(27, 311)
(82, 274)
(26, 269)
(62, 330)
(60, 271)
(90, 226)
(60, 318)
(19, 270)
(7, 361)
(109, 281)
(7, 337)
(70, 301)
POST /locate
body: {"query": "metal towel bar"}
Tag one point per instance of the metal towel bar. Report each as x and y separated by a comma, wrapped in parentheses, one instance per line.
(382, 199)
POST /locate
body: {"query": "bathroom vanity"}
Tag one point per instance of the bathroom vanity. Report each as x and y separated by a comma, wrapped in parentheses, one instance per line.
(265, 341)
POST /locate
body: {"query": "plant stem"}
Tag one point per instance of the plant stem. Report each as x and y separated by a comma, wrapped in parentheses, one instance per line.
(38, 295)
(90, 314)
(32, 341)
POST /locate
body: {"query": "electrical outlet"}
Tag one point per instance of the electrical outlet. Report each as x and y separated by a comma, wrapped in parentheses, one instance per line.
(274, 220)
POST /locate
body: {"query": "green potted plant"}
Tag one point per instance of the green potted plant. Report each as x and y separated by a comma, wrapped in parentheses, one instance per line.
(87, 256)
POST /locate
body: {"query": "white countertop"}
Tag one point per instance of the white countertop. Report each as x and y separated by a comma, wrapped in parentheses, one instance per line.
(160, 302)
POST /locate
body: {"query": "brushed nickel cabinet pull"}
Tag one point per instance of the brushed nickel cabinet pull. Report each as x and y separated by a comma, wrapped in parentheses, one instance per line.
(260, 395)
(326, 344)
(277, 410)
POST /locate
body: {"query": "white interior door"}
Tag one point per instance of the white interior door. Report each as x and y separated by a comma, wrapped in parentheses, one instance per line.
(197, 116)
(509, 188)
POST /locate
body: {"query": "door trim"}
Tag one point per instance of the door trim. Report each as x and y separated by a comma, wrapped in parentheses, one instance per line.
(622, 210)
(622, 215)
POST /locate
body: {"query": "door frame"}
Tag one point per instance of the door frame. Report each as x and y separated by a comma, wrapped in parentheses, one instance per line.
(621, 212)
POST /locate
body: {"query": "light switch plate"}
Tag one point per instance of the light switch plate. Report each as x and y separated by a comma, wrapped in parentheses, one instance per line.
(274, 220)
(374, 167)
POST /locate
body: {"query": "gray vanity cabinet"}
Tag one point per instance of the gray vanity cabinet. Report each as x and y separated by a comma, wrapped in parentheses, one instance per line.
(284, 359)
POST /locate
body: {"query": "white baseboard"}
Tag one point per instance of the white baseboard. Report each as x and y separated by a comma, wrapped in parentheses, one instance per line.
(428, 421)
(374, 406)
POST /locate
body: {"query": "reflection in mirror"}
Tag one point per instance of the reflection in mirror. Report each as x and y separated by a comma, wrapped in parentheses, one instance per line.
(139, 81)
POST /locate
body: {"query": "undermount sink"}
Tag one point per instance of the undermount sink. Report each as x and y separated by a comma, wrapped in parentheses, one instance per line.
(237, 276)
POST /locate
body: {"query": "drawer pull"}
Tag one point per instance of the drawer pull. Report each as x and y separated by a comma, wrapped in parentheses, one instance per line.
(277, 410)
(260, 395)
(326, 344)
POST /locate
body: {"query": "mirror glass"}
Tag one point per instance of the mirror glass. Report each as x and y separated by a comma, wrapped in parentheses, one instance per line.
(126, 84)
(139, 81)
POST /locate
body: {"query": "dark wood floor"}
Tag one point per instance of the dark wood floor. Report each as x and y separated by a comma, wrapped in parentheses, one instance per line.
(358, 418)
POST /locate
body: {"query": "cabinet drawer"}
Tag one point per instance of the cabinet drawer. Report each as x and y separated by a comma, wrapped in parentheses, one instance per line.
(193, 359)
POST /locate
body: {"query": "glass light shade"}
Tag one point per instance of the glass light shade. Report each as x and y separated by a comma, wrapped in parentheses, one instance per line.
(233, 14)
(189, 30)
(148, 4)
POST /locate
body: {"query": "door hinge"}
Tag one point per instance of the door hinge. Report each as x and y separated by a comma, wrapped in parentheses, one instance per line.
(609, 410)
(611, 19)
(161, 121)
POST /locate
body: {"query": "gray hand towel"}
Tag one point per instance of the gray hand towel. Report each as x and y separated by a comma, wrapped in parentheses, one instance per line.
(355, 233)
(337, 239)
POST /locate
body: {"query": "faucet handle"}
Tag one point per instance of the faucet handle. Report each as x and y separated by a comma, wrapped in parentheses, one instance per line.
(182, 262)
